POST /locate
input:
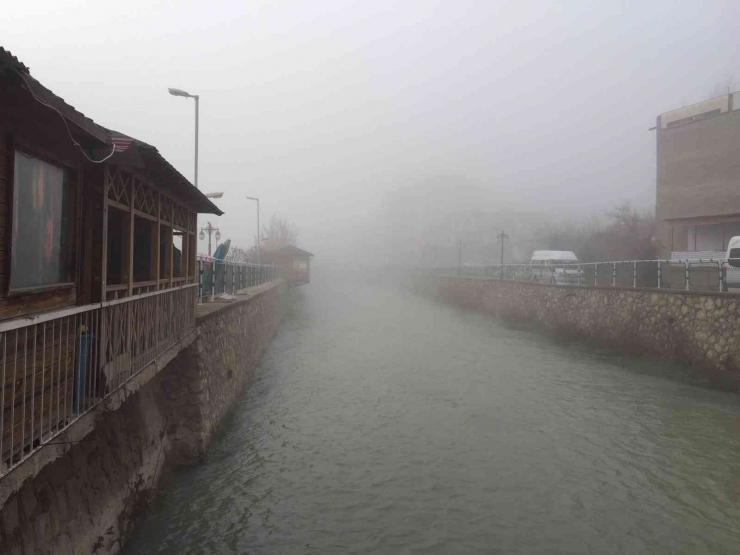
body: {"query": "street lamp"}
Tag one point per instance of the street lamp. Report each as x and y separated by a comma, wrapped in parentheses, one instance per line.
(209, 229)
(258, 226)
(214, 195)
(180, 92)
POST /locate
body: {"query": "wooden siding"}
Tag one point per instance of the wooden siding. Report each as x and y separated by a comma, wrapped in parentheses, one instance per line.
(37, 381)
(27, 125)
(4, 176)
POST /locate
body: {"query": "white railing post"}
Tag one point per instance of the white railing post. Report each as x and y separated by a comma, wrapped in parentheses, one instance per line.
(687, 266)
(634, 274)
(200, 281)
(213, 278)
(721, 276)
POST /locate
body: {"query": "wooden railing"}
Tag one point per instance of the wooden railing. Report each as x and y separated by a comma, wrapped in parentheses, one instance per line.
(57, 366)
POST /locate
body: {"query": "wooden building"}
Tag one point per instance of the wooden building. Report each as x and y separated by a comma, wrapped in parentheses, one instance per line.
(97, 260)
(295, 263)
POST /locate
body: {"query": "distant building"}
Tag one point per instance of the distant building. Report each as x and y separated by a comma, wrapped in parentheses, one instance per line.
(295, 263)
(698, 178)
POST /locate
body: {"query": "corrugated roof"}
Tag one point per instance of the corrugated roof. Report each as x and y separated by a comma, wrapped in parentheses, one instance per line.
(137, 154)
(88, 127)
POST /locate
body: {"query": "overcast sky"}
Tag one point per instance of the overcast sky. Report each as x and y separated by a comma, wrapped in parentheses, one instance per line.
(321, 107)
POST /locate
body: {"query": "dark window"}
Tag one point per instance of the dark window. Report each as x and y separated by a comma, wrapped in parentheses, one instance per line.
(734, 253)
(117, 246)
(39, 235)
(144, 232)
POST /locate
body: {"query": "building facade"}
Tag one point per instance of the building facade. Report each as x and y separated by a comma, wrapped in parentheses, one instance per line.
(698, 178)
(97, 262)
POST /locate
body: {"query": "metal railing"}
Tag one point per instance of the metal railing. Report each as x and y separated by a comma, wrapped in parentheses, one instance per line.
(57, 366)
(218, 277)
(689, 275)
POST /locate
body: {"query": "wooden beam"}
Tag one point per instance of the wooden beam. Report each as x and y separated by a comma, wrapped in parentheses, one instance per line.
(185, 255)
(118, 205)
(171, 244)
(132, 215)
(155, 251)
(145, 215)
(104, 258)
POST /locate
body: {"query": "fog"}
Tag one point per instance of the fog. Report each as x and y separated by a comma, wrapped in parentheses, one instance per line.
(331, 112)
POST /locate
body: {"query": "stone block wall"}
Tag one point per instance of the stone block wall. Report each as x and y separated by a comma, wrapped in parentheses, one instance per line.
(214, 370)
(679, 326)
(88, 499)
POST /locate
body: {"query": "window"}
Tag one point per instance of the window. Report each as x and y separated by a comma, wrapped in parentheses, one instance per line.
(708, 237)
(177, 255)
(39, 234)
(117, 247)
(734, 253)
(144, 245)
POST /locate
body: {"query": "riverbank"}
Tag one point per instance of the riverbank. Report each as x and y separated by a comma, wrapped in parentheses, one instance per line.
(685, 327)
(89, 498)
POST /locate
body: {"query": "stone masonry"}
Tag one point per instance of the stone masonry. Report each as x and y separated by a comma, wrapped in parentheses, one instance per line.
(702, 329)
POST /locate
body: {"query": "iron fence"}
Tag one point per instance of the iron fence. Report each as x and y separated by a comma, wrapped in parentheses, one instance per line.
(219, 277)
(689, 275)
(57, 366)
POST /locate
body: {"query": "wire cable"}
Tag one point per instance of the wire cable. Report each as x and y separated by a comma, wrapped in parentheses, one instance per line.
(64, 120)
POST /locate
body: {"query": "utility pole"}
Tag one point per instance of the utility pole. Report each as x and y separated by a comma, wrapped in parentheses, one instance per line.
(259, 246)
(459, 258)
(503, 238)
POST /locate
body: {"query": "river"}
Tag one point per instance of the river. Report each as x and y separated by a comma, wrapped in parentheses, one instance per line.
(382, 422)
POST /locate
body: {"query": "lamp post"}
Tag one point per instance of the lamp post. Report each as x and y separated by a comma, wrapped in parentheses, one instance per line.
(459, 257)
(214, 195)
(209, 229)
(503, 238)
(258, 227)
(180, 92)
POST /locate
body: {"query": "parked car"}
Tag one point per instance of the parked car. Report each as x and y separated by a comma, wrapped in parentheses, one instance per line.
(559, 267)
(732, 268)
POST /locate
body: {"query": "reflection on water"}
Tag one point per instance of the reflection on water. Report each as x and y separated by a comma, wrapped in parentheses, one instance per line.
(385, 423)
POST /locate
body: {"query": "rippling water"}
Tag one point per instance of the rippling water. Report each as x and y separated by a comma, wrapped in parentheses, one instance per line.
(386, 423)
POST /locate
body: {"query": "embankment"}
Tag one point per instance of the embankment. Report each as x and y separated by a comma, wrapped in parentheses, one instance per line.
(88, 498)
(701, 329)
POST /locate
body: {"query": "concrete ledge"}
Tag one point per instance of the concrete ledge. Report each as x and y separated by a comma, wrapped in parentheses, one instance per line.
(205, 311)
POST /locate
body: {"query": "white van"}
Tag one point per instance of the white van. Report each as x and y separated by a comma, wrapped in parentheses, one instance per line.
(732, 267)
(554, 267)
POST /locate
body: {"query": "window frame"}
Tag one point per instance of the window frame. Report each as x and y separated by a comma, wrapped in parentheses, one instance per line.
(25, 147)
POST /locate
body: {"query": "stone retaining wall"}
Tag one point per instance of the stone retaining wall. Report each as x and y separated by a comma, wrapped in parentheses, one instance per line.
(679, 326)
(88, 499)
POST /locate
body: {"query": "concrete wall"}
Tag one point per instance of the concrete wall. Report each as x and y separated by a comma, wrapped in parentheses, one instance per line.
(89, 498)
(685, 327)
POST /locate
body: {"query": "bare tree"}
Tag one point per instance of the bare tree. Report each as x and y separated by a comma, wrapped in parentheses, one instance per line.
(237, 254)
(279, 232)
(627, 235)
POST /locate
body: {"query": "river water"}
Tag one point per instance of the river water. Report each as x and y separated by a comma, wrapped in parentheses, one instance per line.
(381, 422)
